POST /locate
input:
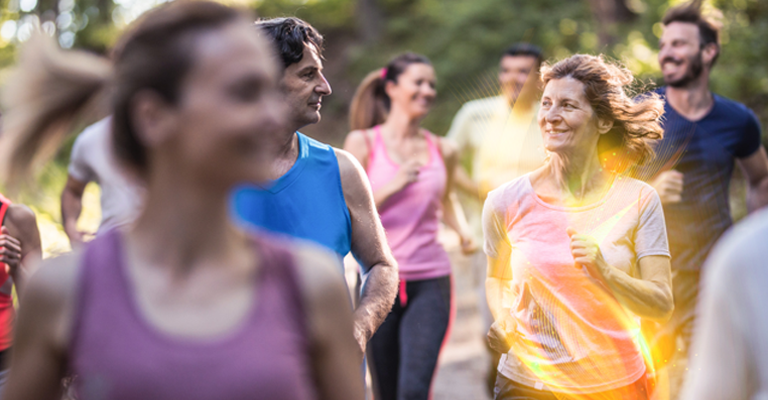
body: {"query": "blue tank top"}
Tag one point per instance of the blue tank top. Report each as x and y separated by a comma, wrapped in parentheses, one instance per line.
(307, 202)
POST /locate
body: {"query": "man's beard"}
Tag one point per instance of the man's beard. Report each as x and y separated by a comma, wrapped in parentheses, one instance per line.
(694, 70)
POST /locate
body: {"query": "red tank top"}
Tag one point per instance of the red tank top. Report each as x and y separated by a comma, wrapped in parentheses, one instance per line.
(7, 313)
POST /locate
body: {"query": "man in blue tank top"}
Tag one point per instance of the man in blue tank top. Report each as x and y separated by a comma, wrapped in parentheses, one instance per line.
(705, 135)
(320, 193)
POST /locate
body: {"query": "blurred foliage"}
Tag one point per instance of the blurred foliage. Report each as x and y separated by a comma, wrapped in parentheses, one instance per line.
(464, 39)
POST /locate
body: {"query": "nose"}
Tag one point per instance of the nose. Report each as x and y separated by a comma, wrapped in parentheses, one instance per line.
(324, 88)
(552, 116)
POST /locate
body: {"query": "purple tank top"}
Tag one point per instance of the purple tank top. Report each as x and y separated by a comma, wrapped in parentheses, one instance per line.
(117, 355)
(411, 216)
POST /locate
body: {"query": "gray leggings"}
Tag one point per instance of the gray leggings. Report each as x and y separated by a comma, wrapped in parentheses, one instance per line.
(403, 352)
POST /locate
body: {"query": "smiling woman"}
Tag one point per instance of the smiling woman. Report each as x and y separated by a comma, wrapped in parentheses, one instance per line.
(182, 304)
(576, 250)
(411, 174)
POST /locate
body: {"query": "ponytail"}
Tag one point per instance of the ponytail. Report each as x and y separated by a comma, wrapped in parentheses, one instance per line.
(53, 90)
(370, 104)
(48, 93)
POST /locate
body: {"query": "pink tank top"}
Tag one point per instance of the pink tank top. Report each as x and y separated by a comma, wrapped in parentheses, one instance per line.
(411, 216)
(117, 355)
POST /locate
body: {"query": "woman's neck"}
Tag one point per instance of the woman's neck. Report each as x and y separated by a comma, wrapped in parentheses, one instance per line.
(399, 125)
(184, 223)
(578, 174)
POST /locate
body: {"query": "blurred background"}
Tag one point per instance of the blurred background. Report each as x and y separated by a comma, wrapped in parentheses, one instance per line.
(464, 39)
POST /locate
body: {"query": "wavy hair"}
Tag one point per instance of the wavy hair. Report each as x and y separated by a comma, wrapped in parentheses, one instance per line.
(635, 120)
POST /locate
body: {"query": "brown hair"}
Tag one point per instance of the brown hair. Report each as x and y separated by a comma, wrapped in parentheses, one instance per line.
(52, 90)
(634, 120)
(709, 31)
(371, 104)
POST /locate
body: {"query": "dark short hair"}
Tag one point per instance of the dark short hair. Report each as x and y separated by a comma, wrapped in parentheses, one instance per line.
(709, 33)
(290, 35)
(525, 49)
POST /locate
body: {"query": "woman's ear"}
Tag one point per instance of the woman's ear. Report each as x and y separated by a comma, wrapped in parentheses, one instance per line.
(153, 117)
(604, 125)
(389, 86)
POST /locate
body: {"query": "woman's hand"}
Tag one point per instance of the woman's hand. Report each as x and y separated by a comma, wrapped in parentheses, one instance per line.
(10, 252)
(502, 333)
(407, 174)
(586, 252)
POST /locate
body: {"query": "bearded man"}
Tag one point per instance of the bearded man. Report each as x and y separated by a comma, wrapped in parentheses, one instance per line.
(705, 136)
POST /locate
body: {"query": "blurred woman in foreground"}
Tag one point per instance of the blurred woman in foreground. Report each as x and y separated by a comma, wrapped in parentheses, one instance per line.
(576, 251)
(183, 305)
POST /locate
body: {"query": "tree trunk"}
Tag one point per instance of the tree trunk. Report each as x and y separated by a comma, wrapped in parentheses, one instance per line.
(609, 15)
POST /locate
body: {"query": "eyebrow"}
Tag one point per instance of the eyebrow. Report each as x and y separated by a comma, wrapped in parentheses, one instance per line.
(309, 68)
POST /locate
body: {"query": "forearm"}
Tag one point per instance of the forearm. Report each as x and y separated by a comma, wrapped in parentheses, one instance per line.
(71, 207)
(463, 182)
(757, 195)
(645, 298)
(378, 295)
(494, 293)
(453, 215)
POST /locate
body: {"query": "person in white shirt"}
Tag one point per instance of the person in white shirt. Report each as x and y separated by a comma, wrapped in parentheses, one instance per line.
(93, 160)
(500, 139)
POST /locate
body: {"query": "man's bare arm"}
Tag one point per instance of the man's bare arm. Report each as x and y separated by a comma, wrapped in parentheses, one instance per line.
(370, 248)
(755, 168)
(71, 206)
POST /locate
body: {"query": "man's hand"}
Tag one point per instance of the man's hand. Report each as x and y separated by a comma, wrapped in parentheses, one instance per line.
(502, 333)
(77, 237)
(468, 245)
(10, 252)
(669, 186)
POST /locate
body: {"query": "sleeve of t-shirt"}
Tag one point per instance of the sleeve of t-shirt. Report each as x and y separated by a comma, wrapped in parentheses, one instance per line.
(494, 226)
(751, 138)
(651, 232)
(459, 131)
(79, 168)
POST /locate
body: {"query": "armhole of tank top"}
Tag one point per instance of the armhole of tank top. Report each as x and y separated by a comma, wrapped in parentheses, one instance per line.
(434, 142)
(370, 144)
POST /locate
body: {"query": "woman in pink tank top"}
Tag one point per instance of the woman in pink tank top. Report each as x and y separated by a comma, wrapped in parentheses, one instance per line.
(410, 171)
(183, 304)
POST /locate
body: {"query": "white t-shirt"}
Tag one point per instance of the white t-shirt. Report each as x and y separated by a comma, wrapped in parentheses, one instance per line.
(92, 160)
(504, 142)
(729, 354)
(574, 336)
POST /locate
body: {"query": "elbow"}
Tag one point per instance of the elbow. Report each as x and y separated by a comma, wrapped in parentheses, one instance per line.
(665, 306)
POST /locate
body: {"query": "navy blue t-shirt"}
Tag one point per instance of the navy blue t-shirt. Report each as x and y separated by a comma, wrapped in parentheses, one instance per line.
(704, 152)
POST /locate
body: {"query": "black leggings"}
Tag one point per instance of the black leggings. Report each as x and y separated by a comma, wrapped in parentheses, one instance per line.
(404, 351)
